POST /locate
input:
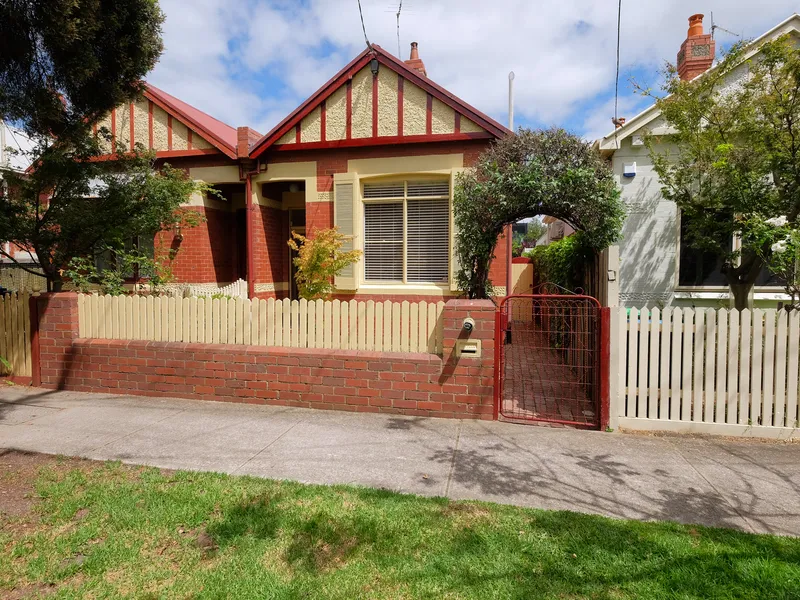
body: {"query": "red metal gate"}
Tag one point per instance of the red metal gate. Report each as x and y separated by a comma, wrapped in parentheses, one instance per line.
(547, 360)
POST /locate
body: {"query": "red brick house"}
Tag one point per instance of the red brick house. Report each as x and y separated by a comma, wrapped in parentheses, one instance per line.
(375, 151)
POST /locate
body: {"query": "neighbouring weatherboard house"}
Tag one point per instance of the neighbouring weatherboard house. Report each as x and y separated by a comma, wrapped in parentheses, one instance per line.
(375, 151)
(657, 268)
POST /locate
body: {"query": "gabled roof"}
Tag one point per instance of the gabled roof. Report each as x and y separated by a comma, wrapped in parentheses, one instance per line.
(610, 142)
(492, 127)
(221, 135)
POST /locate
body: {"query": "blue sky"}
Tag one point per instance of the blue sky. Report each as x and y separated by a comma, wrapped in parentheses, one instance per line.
(251, 62)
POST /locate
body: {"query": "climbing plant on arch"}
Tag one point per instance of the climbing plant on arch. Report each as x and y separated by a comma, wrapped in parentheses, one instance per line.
(543, 172)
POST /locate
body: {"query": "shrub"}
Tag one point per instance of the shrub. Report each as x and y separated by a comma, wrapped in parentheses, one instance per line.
(319, 260)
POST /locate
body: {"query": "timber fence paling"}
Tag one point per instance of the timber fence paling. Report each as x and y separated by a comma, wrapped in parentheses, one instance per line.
(336, 325)
(712, 369)
(15, 334)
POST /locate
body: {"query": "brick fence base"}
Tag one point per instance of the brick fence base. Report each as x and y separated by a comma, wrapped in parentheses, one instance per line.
(411, 384)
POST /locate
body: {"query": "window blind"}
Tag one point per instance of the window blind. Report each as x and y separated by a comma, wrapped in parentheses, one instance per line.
(383, 241)
(428, 246)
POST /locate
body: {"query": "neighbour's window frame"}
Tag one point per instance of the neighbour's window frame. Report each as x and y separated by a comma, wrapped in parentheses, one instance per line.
(736, 245)
(404, 180)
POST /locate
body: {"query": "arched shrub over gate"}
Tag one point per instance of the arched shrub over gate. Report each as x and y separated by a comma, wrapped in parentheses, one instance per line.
(544, 172)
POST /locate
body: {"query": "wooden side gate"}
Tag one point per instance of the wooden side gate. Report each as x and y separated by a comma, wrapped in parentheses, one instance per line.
(15, 335)
(547, 359)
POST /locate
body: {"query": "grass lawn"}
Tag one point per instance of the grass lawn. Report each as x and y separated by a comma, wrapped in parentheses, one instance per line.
(79, 529)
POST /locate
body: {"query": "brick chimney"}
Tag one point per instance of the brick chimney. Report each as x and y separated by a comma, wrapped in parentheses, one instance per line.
(243, 142)
(414, 62)
(697, 51)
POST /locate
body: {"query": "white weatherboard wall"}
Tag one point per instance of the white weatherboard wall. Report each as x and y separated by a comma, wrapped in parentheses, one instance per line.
(706, 371)
(374, 326)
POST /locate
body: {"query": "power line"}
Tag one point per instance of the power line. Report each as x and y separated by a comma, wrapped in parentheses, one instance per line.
(363, 27)
(399, 8)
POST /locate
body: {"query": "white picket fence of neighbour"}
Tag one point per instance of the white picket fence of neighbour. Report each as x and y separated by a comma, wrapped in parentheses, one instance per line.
(703, 370)
(355, 325)
(15, 334)
(237, 289)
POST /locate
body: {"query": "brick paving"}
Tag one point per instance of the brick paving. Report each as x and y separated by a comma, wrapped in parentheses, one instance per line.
(539, 384)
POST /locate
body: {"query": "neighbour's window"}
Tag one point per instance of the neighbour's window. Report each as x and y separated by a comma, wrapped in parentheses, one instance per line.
(407, 231)
(699, 268)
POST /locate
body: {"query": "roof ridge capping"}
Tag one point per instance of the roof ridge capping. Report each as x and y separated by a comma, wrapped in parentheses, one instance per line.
(610, 141)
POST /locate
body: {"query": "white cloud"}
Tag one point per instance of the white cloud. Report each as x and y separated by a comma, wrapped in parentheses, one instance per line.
(218, 53)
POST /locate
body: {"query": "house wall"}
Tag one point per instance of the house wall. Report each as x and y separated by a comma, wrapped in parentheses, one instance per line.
(317, 169)
(411, 384)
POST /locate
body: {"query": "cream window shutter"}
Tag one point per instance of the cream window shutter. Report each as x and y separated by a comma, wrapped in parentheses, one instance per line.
(345, 217)
(453, 258)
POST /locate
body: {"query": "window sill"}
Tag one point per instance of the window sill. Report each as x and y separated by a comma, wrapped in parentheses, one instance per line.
(404, 288)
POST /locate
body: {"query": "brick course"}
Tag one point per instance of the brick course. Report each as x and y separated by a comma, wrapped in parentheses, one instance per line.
(409, 384)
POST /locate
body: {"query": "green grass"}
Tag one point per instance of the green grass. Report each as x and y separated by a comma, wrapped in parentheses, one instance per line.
(107, 530)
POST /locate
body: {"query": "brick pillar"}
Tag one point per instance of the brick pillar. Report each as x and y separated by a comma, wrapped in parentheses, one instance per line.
(58, 327)
(477, 373)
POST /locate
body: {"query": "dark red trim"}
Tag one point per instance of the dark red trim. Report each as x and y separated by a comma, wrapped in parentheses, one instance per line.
(400, 105)
(498, 359)
(114, 128)
(375, 105)
(132, 123)
(384, 140)
(169, 131)
(250, 212)
(166, 154)
(605, 368)
(457, 125)
(323, 93)
(323, 121)
(170, 109)
(349, 109)
(493, 127)
(36, 362)
(522, 260)
(297, 131)
(429, 116)
(150, 124)
(438, 92)
(189, 138)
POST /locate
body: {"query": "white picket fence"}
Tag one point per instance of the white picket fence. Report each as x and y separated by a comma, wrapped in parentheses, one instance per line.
(702, 370)
(378, 326)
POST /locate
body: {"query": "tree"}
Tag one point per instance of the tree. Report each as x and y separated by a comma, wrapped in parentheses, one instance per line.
(549, 172)
(63, 65)
(733, 162)
(319, 260)
(536, 229)
(72, 206)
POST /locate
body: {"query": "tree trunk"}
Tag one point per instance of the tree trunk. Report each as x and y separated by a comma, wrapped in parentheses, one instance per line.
(742, 296)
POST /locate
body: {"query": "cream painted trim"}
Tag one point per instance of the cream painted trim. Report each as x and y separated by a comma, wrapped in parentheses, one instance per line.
(406, 166)
(226, 174)
(294, 171)
(399, 289)
(278, 286)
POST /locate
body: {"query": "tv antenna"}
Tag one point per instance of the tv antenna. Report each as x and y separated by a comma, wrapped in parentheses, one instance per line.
(714, 28)
(399, 8)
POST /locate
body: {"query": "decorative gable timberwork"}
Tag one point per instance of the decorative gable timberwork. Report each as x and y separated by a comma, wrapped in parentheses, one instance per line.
(360, 108)
(154, 128)
(169, 126)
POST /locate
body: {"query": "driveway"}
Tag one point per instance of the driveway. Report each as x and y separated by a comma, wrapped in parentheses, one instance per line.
(749, 485)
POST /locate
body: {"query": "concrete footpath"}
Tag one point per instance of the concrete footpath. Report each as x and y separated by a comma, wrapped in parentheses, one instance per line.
(748, 485)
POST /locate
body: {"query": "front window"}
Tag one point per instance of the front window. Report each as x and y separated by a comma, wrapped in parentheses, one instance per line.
(407, 232)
